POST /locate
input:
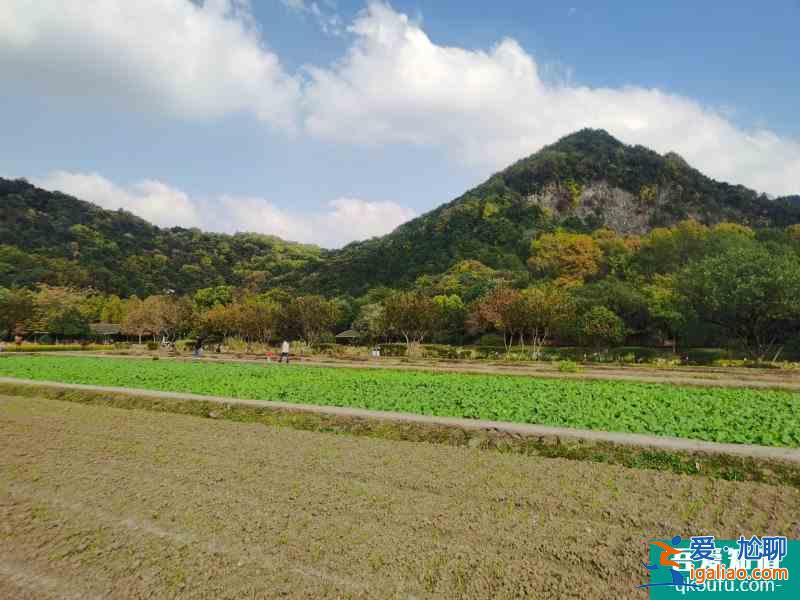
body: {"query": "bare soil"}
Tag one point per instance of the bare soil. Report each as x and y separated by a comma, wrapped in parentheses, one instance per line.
(98, 502)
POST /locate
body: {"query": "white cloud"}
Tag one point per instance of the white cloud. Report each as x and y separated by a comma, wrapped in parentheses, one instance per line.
(341, 221)
(193, 60)
(394, 85)
(493, 107)
(362, 219)
(152, 200)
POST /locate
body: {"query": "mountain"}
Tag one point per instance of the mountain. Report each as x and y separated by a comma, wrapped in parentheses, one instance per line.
(584, 181)
(54, 238)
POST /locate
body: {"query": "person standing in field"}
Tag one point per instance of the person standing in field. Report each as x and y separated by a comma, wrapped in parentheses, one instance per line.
(285, 352)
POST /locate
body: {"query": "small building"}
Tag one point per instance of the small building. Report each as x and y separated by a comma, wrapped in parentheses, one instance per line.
(351, 336)
(106, 331)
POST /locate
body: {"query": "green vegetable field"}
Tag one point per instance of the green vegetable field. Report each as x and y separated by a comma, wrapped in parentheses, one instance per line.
(717, 414)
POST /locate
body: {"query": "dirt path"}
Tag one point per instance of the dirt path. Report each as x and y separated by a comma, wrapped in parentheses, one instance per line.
(699, 376)
(101, 502)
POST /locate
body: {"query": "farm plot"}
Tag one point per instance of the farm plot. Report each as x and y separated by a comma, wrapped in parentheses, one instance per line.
(98, 502)
(765, 417)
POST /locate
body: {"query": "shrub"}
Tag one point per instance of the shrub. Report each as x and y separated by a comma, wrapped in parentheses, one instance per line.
(446, 351)
(52, 348)
(665, 363)
(705, 356)
(568, 366)
(491, 339)
(324, 348)
(152, 345)
(185, 345)
(393, 349)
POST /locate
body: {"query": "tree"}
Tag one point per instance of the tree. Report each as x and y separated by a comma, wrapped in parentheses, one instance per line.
(617, 251)
(667, 250)
(68, 323)
(667, 308)
(566, 257)
(600, 327)
(450, 314)
(371, 322)
(61, 311)
(113, 310)
(468, 279)
(164, 314)
(411, 315)
(311, 316)
(220, 321)
(545, 308)
(623, 298)
(501, 309)
(136, 320)
(16, 307)
(213, 296)
(750, 292)
(258, 319)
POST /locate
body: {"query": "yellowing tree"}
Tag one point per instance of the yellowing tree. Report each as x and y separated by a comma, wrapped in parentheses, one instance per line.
(568, 258)
(723, 229)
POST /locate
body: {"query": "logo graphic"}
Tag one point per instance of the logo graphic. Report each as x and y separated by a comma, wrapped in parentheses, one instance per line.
(759, 565)
(665, 561)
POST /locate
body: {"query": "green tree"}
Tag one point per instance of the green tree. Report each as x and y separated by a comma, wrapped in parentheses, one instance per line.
(212, 296)
(60, 311)
(68, 323)
(544, 310)
(600, 327)
(749, 291)
(411, 315)
(450, 315)
(668, 310)
(371, 322)
(16, 307)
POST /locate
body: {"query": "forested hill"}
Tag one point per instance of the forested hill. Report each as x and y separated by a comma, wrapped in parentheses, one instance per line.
(49, 237)
(585, 181)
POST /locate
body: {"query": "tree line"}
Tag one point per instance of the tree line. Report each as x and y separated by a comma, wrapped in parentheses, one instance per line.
(688, 285)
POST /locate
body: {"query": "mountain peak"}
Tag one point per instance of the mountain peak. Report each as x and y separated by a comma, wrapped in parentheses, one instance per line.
(587, 136)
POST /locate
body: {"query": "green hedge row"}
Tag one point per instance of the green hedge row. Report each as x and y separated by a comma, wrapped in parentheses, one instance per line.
(56, 347)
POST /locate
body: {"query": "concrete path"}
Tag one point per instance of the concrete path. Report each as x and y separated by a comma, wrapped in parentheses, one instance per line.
(791, 455)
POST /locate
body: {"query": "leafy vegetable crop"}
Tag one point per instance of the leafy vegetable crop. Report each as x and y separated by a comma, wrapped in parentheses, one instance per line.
(749, 416)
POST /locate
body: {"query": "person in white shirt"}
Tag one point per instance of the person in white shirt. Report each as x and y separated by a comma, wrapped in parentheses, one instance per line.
(285, 352)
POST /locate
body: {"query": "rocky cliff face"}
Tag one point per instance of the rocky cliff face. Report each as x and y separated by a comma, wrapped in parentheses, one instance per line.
(601, 204)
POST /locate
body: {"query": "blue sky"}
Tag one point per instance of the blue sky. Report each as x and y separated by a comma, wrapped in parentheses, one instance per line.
(330, 121)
